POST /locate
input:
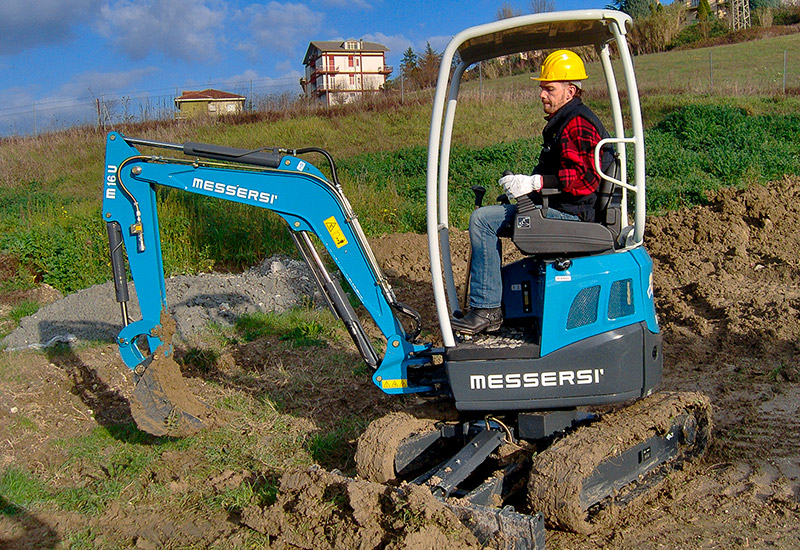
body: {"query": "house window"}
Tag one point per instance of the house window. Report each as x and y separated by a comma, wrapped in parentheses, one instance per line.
(349, 60)
(331, 62)
(352, 80)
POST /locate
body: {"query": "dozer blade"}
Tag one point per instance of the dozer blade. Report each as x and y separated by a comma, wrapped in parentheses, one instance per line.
(503, 529)
(400, 442)
(162, 404)
(581, 481)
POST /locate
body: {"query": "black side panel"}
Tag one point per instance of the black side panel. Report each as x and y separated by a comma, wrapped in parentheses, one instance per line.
(607, 368)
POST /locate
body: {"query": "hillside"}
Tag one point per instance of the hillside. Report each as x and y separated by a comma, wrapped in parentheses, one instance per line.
(291, 388)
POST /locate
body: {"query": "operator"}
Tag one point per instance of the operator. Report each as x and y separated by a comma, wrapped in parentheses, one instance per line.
(566, 163)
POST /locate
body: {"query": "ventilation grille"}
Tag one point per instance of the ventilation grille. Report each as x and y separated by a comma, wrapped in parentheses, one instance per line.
(620, 302)
(584, 308)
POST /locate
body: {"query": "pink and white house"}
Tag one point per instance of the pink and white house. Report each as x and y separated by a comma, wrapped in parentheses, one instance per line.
(338, 72)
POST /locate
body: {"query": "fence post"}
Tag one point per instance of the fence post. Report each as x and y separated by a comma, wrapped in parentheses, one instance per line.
(784, 72)
(711, 70)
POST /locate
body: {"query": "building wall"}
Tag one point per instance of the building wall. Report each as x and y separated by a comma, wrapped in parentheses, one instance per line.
(344, 75)
(197, 108)
(718, 7)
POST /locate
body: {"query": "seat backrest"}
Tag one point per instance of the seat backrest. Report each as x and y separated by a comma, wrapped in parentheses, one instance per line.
(608, 209)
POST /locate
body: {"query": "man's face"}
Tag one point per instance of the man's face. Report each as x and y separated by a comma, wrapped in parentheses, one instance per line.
(555, 95)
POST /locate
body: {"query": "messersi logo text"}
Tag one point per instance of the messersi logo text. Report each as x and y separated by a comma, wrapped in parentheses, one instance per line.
(233, 191)
(513, 380)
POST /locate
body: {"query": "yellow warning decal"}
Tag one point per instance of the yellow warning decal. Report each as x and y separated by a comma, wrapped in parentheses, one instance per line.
(336, 232)
(394, 384)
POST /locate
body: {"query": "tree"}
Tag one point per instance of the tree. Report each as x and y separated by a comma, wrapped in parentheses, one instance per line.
(637, 9)
(543, 6)
(507, 11)
(428, 67)
(703, 15)
(703, 10)
(409, 64)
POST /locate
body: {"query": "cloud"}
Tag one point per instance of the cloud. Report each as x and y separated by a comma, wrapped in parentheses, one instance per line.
(396, 43)
(24, 112)
(438, 43)
(182, 29)
(278, 27)
(353, 4)
(26, 24)
(93, 83)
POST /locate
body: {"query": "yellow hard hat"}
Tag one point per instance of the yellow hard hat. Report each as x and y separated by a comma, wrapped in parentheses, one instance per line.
(562, 65)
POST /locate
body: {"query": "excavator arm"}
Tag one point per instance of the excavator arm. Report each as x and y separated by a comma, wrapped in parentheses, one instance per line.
(276, 180)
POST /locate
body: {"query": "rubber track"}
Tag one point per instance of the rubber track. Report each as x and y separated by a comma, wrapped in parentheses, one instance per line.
(558, 473)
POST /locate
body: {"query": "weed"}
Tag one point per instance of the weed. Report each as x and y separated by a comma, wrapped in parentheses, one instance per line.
(301, 326)
(28, 307)
(334, 448)
(234, 499)
(203, 359)
(306, 334)
(20, 490)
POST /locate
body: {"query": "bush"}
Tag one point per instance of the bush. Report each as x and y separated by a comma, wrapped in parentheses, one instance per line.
(787, 15)
(700, 148)
(695, 33)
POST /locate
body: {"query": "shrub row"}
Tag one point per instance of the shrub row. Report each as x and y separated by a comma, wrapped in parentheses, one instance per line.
(691, 151)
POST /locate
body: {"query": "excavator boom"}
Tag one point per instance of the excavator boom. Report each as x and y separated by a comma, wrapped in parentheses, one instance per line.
(275, 180)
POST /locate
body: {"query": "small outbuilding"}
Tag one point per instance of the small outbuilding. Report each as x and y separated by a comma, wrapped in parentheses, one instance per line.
(208, 103)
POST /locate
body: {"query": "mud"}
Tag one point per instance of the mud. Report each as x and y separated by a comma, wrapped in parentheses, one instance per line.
(727, 289)
(378, 445)
(319, 510)
(161, 403)
(558, 475)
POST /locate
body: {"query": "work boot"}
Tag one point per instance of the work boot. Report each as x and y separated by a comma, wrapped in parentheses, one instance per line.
(478, 320)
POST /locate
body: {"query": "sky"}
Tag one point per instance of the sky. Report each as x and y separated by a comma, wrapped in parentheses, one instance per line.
(59, 59)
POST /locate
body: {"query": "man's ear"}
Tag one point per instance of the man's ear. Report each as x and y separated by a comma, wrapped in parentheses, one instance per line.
(572, 89)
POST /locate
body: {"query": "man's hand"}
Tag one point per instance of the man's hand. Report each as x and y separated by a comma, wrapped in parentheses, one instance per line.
(517, 185)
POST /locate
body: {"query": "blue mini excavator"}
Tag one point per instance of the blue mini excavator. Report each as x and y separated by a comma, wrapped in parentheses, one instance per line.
(553, 419)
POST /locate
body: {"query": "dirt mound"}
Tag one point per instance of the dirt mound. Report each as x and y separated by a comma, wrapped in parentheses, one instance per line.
(727, 291)
(726, 274)
(319, 510)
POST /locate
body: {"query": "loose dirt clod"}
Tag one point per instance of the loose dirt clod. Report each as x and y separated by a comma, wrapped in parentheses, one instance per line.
(318, 510)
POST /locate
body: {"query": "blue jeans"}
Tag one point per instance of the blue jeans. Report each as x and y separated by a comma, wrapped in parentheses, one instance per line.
(486, 225)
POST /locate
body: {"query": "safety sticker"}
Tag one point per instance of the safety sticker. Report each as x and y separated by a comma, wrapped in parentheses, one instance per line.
(394, 384)
(336, 232)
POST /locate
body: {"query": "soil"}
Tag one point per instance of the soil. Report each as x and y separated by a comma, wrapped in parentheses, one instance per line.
(727, 288)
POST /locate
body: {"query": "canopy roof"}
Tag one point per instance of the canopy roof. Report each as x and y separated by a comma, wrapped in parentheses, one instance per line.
(536, 32)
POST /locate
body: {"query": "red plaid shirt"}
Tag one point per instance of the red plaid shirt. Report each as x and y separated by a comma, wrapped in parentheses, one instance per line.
(577, 175)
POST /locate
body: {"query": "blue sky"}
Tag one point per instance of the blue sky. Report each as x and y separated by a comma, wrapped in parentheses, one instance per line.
(58, 57)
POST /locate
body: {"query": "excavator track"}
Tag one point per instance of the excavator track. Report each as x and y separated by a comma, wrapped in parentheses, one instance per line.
(378, 446)
(582, 480)
(578, 483)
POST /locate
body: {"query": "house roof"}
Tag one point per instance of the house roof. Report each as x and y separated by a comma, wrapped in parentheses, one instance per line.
(205, 95)
(326, 46)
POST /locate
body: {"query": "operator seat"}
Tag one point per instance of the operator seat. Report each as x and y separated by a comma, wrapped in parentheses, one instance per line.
(534, 234)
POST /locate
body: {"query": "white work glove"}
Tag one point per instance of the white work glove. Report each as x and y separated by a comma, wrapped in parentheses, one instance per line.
(517, 185)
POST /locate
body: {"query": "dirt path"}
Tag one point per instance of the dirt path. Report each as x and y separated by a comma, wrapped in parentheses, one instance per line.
(728, 297)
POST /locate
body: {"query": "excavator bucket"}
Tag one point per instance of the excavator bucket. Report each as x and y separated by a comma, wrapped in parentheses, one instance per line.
(163, 405)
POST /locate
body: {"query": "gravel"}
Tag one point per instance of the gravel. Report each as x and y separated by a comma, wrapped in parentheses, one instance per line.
(92, 315)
